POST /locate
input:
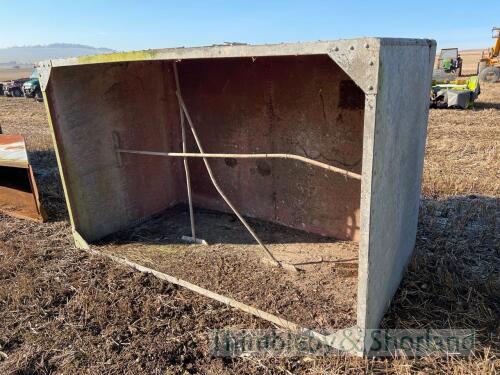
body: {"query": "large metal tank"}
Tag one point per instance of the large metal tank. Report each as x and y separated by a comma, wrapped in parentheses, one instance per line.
(358, 105)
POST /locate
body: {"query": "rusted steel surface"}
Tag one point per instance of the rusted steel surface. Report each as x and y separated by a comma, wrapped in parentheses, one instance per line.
(18, 191)
(303, 105)
(13, 151)
(137, 101)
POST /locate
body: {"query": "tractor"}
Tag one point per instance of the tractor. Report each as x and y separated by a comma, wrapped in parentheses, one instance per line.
(488, 68)
(31, 88)
(449, 61)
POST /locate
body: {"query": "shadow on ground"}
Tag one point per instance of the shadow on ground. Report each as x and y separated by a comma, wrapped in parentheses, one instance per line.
(167, 228)
(44, 164)
(486, 105)
(453, 280)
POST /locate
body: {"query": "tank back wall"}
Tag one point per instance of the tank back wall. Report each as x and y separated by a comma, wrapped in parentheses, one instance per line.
(304, 105)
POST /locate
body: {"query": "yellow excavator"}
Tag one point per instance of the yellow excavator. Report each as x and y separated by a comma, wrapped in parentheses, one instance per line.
(488, 68)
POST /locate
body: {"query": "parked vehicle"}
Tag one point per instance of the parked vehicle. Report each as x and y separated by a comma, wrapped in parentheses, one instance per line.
(488, 67)
(14, 88)
(449, 61)
(31, 88)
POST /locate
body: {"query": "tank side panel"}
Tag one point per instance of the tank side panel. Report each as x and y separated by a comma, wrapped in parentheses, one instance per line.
(88, 104)
(398, 152)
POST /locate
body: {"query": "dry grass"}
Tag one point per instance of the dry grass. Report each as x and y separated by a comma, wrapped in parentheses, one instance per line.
(470, 58)
(62, 311)
(463, 149)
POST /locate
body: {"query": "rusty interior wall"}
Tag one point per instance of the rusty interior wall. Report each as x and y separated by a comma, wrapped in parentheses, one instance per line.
(304, 105)
(87, 104)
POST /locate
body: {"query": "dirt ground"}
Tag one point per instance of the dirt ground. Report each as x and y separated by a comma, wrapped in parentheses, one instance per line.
(7, 74)
(321, 296)
(64, 311)
(470, 58)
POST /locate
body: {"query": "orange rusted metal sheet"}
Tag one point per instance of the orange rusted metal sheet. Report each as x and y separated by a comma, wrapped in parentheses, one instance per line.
(18, 191)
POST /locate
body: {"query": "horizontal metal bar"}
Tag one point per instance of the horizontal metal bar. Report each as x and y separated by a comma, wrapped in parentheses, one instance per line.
(153, 153)
(248, 156)
(273, 156)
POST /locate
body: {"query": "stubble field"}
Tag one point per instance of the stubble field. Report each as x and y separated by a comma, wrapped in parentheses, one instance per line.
(64, 311)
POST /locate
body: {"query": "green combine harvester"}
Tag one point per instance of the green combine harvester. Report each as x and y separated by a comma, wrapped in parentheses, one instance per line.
(457, 93)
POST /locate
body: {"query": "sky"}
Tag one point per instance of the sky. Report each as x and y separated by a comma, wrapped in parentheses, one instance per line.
(133, 24)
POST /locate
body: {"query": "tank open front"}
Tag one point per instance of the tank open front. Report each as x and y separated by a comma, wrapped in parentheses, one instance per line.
(279, 147)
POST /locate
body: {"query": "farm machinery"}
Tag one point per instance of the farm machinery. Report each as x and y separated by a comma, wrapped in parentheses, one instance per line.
(458, 93)
(14, 88)
(449, 62)
(31, 88)
(488, 67)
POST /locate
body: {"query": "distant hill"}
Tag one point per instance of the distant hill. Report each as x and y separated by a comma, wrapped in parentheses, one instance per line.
(28, 55)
